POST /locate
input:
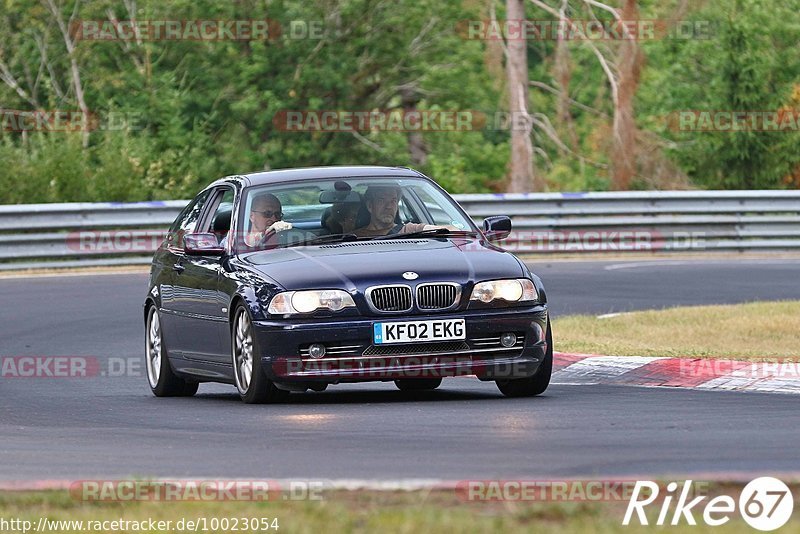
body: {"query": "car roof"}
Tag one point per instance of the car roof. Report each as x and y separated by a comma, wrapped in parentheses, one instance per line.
(314, 173)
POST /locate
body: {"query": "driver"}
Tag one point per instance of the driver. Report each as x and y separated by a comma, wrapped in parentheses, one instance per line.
(265, 219)
(382, 202)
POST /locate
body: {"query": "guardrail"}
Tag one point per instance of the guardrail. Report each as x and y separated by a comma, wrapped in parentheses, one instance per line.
(667, 221)
(82, 234)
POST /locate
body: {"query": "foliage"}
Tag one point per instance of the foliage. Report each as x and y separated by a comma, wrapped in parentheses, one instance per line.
(197, 110)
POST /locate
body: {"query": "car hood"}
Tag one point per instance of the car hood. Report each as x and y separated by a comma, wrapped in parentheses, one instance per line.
(357, 265)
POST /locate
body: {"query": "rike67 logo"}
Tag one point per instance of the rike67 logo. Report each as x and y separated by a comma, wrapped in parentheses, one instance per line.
(765, 504)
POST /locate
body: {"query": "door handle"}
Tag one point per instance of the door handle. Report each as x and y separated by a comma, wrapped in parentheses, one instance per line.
(178, 268)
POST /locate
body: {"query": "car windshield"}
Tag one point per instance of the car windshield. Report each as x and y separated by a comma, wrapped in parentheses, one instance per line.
(344, 209)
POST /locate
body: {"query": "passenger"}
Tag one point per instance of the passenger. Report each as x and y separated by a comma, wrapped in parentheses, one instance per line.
(382, 203)
(342, 219)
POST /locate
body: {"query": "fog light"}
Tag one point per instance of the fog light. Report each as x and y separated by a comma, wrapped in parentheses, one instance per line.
(317, 350)
(508, 340)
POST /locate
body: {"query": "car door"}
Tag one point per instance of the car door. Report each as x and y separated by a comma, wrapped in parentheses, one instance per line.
(203, 316)
(169, 260)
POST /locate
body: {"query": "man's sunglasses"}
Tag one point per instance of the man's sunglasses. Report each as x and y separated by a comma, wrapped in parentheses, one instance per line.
(269, 214)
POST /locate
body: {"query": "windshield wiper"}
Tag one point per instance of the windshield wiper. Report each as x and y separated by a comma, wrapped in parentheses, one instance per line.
(321, 240)
(433, 232)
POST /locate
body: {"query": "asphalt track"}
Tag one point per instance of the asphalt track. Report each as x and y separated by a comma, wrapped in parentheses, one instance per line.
(110, 426)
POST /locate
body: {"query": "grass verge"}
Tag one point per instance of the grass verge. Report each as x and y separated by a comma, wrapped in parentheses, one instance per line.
(753, 331)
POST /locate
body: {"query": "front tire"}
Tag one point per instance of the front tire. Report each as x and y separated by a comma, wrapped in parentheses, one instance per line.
(162, 379)
(417, 384)
(532, 385)
(253, 385)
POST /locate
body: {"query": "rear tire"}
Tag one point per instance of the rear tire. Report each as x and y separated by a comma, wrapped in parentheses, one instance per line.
(532, 385)
(162, 379)
(417, 384)
(252, 383)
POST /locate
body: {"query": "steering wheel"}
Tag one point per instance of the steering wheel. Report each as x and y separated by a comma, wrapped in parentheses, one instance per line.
(396, 229)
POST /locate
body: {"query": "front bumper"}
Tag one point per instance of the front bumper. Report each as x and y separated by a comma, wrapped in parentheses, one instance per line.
(352, 357)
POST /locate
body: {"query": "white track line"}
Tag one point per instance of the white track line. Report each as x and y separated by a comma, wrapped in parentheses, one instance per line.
(70, 274)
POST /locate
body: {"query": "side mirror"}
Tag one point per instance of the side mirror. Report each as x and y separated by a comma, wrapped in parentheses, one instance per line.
(497, 228)
(202, 244)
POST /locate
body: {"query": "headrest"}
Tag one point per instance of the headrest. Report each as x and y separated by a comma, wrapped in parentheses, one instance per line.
(222, 218)
(334, 197)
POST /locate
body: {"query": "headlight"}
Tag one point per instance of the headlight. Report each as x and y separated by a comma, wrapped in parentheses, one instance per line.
(291, 302)
(519, 290)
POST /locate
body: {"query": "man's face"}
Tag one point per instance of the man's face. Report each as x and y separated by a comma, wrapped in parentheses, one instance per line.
(383, 206)
(264, 213)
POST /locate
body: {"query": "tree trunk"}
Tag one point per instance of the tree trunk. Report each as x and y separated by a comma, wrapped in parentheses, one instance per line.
(417, 149)
(623, 151)
(522, 171)
(563, 74)
(69, 43)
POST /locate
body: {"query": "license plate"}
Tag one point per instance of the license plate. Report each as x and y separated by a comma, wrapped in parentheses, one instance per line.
(419, 331)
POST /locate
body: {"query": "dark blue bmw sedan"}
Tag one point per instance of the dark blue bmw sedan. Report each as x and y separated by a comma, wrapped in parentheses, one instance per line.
(291, 280)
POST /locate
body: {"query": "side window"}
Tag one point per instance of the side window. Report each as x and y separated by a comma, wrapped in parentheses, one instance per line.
(187, 220)
(219, 223)
(405, 212)
(441, 213)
